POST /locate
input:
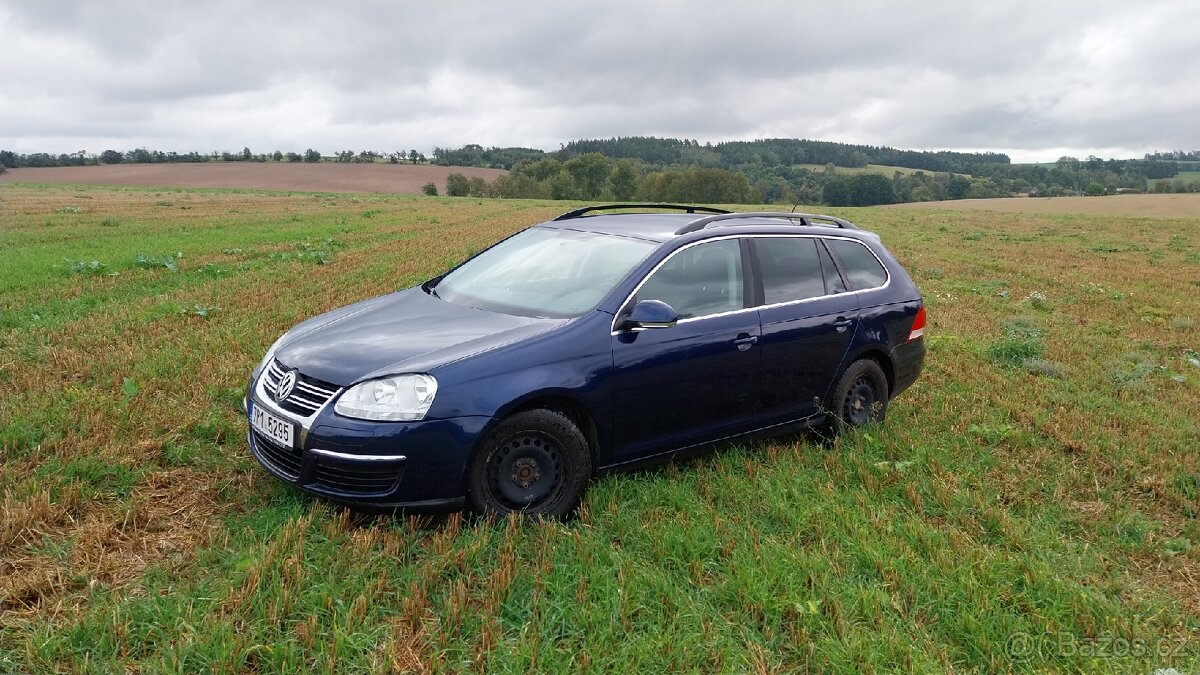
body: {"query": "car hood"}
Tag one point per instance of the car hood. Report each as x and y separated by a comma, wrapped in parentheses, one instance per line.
(408, 331)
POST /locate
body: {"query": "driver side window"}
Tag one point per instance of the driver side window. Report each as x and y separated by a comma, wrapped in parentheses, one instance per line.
(700, 280)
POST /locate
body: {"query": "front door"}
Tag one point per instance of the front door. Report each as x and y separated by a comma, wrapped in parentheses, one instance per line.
(694, 382)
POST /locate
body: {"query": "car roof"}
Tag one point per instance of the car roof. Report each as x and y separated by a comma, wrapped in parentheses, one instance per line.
(662, 227)
(658, 227)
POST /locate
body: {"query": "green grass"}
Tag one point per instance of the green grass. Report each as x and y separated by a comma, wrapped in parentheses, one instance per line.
(881, 169)
(1185, 176)
(1030, 504)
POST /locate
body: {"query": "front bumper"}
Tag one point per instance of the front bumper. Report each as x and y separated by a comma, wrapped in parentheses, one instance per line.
(415, 466)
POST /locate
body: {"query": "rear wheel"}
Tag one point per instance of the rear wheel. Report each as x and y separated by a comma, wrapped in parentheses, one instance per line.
(860, 397)
(535, 462)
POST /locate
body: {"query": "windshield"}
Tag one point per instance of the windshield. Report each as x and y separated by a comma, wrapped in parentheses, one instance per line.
(544, 272)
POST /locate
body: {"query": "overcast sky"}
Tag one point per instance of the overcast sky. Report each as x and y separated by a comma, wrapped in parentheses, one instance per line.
(1034, 79)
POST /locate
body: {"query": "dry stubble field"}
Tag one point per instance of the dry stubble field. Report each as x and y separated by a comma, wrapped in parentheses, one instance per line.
(1134, 206)
(1031, 503)
(404, 179)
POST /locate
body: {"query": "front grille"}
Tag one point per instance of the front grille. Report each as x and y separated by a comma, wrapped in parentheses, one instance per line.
(286, 461)
(308, 396)
(358, 479)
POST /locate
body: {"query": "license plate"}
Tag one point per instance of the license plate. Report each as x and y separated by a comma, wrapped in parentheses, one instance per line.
(276, 428)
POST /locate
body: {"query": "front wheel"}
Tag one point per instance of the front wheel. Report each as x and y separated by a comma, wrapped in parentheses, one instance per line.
(535, 462)
(861, 396)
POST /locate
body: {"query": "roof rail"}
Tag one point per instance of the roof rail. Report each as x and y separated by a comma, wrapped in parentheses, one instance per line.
(579, 213)
(804, 218)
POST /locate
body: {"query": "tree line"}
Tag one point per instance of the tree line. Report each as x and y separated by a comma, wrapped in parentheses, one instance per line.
(740, 155)
(1175, 155)
(733, 155)
(13, 160)
(782, 171)
(772, 171)
(593, 176)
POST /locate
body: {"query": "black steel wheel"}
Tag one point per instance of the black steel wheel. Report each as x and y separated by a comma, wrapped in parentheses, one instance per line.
(861, 396)
(535, 462)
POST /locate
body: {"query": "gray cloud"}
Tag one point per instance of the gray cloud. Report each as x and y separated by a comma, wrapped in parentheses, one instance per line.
(1030, 78)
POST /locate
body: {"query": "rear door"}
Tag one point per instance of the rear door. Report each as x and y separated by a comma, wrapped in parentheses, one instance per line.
(808, 319)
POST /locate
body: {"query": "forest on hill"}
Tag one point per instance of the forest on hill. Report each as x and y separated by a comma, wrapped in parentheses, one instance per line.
(788, 171)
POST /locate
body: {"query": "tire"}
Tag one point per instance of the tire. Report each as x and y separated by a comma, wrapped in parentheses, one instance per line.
(535, 462)
(860, 397)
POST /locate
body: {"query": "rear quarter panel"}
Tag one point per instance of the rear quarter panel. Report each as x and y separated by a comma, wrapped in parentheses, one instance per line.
(885, 320)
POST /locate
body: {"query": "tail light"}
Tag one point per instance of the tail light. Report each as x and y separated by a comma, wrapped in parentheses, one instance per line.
(918, 327)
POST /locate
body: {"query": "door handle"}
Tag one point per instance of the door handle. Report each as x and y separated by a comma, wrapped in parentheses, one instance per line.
(842, 323)
(745, 341)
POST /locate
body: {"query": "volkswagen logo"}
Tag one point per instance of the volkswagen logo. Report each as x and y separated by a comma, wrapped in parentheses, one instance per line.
(286, 384)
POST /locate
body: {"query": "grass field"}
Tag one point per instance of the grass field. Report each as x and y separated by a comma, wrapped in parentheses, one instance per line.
(1031, 503)
(1185, 176)
(881, 169)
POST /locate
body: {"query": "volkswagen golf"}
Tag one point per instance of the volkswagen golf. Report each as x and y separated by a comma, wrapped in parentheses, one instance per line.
(610, 336)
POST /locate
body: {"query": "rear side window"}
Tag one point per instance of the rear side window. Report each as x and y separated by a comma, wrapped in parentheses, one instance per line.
(860, 265)
(833, 278)
(790, 268)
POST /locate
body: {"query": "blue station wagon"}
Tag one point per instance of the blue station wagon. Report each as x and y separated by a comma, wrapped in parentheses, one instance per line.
(610, 336)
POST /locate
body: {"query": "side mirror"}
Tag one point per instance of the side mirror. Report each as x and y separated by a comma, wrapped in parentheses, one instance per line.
(651, 314)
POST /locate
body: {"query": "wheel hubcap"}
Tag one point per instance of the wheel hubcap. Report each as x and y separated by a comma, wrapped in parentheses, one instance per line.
(860, 402)
(526, 471)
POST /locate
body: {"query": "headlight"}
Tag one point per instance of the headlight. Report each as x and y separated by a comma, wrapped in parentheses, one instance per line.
(398, 398)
